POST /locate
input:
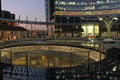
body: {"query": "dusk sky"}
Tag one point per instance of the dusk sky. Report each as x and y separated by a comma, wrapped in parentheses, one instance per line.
(30, 8)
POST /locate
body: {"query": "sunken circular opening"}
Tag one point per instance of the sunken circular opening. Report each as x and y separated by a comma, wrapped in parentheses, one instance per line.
(48, 56)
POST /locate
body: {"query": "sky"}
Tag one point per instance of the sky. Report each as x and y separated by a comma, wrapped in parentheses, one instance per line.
(24, 8)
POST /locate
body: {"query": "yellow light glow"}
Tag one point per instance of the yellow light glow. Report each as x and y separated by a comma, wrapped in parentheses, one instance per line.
(90, 27)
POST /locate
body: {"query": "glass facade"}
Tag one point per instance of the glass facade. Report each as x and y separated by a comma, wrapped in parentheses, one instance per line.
(84, 14)
(86, 5)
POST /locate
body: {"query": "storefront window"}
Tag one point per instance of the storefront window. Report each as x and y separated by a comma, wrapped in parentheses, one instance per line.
(90, 30)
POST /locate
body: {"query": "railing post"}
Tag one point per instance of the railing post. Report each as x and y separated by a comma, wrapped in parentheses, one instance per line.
(11, 62)
(0, 56)
(88, 61)
(27, 66)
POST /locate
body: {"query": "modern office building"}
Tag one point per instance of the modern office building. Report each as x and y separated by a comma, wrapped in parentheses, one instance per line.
(83, 17)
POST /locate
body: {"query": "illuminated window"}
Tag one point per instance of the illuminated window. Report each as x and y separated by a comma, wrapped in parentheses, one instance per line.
(82, 3)
(89, 7)
(108, 1)
(99, 2)
(104, 7)
(90, 30)
(63, 3)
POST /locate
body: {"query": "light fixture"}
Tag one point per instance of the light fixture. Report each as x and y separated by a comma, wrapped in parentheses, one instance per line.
(100, 19)
(115, 18)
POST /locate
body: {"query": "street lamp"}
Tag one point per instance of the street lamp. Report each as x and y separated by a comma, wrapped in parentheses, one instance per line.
(109, 21)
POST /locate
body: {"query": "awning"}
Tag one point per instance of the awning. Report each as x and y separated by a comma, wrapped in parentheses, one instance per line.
(12, 28)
